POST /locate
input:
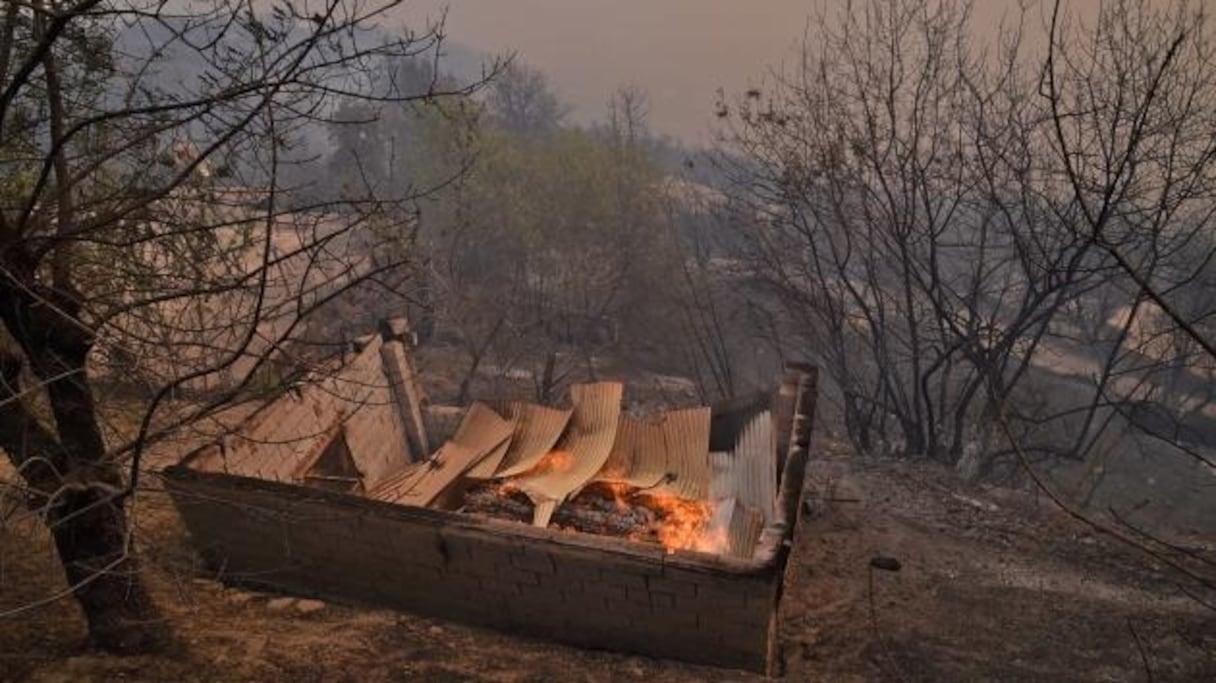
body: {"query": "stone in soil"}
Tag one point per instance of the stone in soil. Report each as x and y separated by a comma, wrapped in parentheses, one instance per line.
(309, 606)
(280, 604)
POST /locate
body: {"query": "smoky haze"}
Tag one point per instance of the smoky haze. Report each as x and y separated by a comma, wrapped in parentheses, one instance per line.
(679, 51)
(835, 339)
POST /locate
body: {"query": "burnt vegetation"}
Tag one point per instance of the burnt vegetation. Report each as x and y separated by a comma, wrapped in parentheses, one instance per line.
(1002, 257)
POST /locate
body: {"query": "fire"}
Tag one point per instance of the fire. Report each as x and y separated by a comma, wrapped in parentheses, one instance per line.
(682, 523)
(713, 539)
(645, 514)
(620, 493)
(554, 461)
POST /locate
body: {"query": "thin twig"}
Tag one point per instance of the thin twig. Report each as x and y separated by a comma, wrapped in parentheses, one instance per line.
(1148, 670)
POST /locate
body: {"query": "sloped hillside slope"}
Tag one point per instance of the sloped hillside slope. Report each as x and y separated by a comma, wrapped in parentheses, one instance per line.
(990, 588)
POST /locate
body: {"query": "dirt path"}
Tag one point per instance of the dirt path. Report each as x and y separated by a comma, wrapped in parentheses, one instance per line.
(989, 589)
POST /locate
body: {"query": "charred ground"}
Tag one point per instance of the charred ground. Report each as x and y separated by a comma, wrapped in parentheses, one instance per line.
(993, 586)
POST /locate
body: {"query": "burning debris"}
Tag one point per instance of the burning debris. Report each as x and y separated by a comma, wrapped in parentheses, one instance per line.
(589, 468)
(644, 479)
(587, 513)
(612, 510)
(567, 523)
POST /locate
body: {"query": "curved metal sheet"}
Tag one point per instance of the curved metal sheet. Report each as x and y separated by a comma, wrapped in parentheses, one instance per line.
(280, 441)
(686, 440)
(484, 430)
(746, 523)
(582, 450)
(749, 472)
(481, 433)
(756, 466)
(639, 454)
(536, 431)
(733, 529)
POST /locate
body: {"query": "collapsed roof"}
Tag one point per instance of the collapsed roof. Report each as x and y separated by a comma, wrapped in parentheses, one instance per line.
(365, 428)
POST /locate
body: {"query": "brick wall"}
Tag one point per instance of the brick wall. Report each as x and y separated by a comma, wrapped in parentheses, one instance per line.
(585, 590)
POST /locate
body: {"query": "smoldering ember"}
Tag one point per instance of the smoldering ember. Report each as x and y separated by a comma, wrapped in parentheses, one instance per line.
(664, 533)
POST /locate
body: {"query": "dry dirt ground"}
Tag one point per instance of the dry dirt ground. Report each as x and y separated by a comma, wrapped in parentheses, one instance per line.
(992, 588)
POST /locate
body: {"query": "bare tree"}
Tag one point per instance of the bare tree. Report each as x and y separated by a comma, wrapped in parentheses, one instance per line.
(1131, 140)
(146, 224)
(998, 261)
(886, 223)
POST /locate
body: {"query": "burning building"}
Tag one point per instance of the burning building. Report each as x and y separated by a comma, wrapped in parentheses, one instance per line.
(665, 534)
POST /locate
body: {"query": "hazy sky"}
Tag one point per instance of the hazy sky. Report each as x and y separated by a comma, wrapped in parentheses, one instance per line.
(679, 51)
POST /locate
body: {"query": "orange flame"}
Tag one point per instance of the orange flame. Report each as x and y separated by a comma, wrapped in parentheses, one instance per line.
(677, 523)
(554, 461)
(620, 493)
(713, 539)
(682, 523)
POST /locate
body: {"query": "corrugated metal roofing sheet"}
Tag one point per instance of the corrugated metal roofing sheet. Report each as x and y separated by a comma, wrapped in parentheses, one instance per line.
(587, 442)
(745, 526)
(375, 429)
(536, 430)
(639, 454)
(755, 466)
(481, 427)
(277, 442)
(481, 434)
(749, 472)
(489, 465)
(686, 440)
(733, 529)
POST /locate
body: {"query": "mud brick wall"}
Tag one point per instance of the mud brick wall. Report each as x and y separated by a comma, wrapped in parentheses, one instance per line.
(585, 590)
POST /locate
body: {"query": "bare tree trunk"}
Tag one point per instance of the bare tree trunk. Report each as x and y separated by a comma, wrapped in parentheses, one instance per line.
(93, 539)
(97, 238)
(477, 353)
(548, 380)
(73, 482)
(77, 487)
